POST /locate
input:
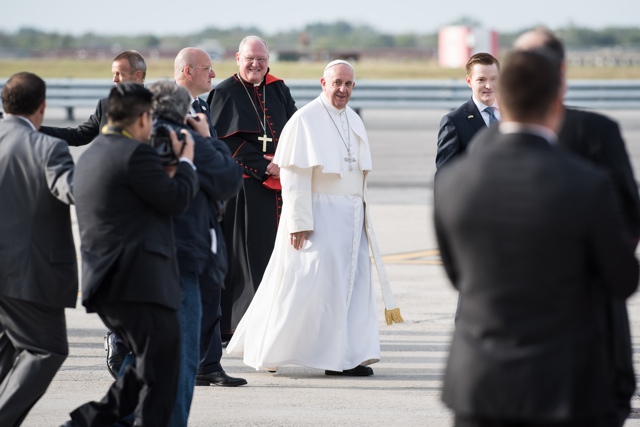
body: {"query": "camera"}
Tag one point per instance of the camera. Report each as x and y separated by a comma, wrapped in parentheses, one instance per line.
(160, 140)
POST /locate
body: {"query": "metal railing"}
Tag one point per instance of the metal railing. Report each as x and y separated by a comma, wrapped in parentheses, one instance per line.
(379, 94)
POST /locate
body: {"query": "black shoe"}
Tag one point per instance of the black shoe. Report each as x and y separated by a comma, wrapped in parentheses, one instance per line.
(358, 371)
(70, 423)
(219, 378)
(116, 351)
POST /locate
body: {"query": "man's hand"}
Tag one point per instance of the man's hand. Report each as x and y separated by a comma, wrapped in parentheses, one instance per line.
(200, 124)
(182, 149)
(272, 168)
(298, 238)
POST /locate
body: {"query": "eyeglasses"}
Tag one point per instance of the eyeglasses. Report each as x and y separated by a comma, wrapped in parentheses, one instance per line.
(259, 59)
(207, 69)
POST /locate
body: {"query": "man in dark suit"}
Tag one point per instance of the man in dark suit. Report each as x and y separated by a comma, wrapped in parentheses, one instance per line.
(127, 66)
(460, 125)
(532, 237)
(597, 138)
(38, 271)
(193, 71)
(592, 136)
(125, 202)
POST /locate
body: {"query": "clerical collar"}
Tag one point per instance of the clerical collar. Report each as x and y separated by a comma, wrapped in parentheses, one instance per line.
(249, 83)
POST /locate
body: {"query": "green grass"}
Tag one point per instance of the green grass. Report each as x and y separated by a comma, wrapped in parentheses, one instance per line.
(365, 69)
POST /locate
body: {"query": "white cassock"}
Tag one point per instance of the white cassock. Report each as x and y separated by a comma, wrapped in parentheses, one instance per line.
(316, 306)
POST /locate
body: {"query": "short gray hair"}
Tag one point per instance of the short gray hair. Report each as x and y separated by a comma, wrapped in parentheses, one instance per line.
(170, 101)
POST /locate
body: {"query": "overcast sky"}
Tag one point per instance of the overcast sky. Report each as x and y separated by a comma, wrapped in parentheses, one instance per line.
(164, 17)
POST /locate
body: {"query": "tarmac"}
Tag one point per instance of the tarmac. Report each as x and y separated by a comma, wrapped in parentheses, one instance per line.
(405, 389)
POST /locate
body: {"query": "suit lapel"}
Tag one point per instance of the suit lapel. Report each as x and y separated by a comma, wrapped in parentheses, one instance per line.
(474, 116)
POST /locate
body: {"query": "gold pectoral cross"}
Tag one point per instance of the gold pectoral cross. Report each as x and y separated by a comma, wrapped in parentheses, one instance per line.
(264, 140)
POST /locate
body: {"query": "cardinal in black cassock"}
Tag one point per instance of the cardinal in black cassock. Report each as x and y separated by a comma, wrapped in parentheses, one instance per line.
(249, 119)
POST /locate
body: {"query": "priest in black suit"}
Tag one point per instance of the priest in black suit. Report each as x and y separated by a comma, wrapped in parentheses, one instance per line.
(249, 110)
(38, 271)
(125, 202)
(532, 238)
(458, 127)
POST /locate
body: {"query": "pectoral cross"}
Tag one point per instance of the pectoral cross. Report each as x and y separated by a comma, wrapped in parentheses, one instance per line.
(264, 140)
(350, 160)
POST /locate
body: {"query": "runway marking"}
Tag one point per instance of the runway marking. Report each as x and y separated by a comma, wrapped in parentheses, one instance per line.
(428, 257)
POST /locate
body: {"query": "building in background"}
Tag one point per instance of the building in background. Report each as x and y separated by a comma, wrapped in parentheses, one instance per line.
(456, 44)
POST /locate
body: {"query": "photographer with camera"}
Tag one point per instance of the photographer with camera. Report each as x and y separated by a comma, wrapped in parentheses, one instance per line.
(219, 178)
(125, 202)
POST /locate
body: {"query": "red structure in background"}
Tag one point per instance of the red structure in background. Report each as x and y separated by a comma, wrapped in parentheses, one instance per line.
(457, 43)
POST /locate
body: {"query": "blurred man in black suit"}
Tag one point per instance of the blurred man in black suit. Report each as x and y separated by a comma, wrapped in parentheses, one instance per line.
(597, 138)
(592, 136)
(532, 237)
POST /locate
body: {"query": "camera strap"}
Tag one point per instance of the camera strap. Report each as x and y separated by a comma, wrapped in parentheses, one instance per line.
(115, 130)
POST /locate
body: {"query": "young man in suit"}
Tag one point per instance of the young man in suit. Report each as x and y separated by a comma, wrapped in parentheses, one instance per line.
(460, 125)
(38, 271)
(531, 237)
(125, 202)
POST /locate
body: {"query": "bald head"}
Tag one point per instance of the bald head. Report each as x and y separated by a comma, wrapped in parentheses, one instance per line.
(186, 58)
(540, 38)
(192, 70)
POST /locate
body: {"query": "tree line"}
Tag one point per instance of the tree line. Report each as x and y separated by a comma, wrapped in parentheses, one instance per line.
(314, 36)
